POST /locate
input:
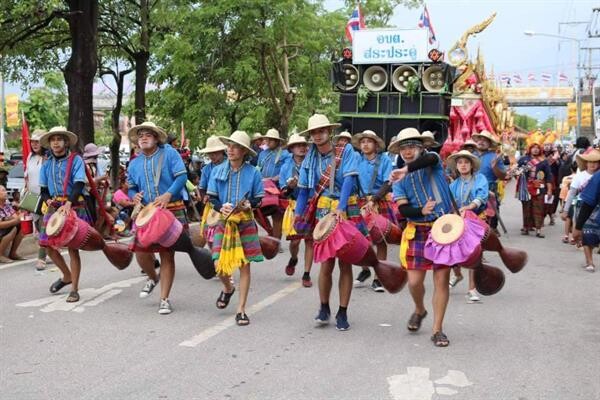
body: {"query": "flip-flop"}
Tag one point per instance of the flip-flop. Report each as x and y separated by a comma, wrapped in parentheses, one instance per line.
(17, 258)
(59, 284)
(414, 323)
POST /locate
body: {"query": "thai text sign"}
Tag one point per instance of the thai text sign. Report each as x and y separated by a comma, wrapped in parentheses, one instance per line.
(388, 46)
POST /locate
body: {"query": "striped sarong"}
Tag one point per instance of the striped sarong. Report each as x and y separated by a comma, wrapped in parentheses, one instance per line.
(534, 212)
(236, 243)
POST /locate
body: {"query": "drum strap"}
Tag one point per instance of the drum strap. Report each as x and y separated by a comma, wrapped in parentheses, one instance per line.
(157, 171)
(436, 191)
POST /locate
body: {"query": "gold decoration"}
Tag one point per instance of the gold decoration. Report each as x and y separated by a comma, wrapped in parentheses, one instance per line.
(458, 54)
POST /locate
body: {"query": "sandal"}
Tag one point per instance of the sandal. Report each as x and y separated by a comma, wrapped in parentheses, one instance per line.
(565, 239)
(73, 297)
(241, 319)
(224, 298)
(291, 267)
(59, 284)
(414, 323)
(17, 258)
(540, 235)
(525, 232)
(440, 339)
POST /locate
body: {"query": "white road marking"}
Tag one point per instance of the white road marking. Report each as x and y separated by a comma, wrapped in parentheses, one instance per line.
(229, 321)
(416, 384)
(88, 297)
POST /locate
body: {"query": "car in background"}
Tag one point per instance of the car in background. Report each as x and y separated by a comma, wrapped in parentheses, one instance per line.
(15, 180)
(15, 158)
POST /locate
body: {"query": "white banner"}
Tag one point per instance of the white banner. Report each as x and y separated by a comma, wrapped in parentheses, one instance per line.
(389, 46)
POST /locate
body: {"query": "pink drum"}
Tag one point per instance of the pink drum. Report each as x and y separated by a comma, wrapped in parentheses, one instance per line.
(270, 202)
(454, 240)
(72, 232)
(157, 226)
(341, 239)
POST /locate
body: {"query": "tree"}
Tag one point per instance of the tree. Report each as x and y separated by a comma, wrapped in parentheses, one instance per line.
(525, 122)
(38, 36)
(378, 13)
(46, 105)
(549, 123)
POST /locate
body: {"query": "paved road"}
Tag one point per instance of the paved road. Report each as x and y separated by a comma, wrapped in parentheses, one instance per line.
(539, 338)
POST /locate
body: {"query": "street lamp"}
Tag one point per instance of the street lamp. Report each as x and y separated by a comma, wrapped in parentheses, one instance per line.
(577, 91)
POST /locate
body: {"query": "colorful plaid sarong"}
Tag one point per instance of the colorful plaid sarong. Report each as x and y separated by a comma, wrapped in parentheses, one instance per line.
(326, 204)
(178, 210)
(207, 232)
(384, 206)
(412, 247)
(57, 202)
(236, 243)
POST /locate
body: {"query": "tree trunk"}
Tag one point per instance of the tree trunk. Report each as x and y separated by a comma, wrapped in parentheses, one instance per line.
(288, 107)
(141, 64)
(115, 144)
(81, 68)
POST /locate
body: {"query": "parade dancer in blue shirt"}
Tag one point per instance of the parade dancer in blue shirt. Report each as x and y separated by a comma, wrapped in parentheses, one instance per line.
(156, 176)
(63, 169)
(374, 170)
(270, 161)
(470, 190)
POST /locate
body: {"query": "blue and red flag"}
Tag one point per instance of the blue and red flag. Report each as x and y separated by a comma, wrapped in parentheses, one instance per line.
(425, 22)
(355, 23)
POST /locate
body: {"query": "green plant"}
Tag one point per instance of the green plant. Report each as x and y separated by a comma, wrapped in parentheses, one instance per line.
(362, 94)
(413, 87)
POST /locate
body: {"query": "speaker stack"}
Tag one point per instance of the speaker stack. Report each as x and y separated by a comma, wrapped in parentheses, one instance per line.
(390, 106)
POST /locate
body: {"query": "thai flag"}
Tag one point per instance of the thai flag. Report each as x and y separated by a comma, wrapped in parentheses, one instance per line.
(546, 77)
(504, 77)
(563, 77)
(531, 77)
(517, 78)
(355, 23)
(425, 22)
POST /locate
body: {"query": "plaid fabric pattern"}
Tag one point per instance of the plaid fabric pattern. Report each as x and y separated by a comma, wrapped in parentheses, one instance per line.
(180, 215)
(591, 229)
(57, 202)
(415, 260)
(249, 242)
(325, 205)
(385, 207)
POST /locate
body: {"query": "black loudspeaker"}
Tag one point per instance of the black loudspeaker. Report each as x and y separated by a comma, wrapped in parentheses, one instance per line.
(345, 76)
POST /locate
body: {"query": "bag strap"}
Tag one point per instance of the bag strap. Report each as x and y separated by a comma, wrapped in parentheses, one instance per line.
(436, 191)
(158, 170)
(68, 171)
(466, 196)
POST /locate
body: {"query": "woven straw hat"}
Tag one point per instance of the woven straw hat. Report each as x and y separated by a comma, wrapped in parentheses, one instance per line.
(318, 121)
(590, 154)
(369, 135)
(161, 135)
(429, 139)
(239, 137)
(468, 143)
(37, 134)
(257, 136)
(475, 162)
(296, 139)
(405, 135)
(488, 135)
(58, 130)
(213, 144)
(273, 134)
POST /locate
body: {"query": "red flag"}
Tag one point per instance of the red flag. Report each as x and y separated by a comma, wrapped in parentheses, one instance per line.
(25, 141)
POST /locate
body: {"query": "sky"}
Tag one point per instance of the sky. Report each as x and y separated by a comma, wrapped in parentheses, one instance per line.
(503, 44)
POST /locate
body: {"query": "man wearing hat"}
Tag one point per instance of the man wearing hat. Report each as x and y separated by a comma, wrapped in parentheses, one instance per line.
(421, 191)
(156, 176)
(288, 182)
(335, 195)
(536, 180)
(491, 167)
(374, 170)
(235, 187)
(215, 150)
(270, 161)
(62, 180)
(470, 190)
